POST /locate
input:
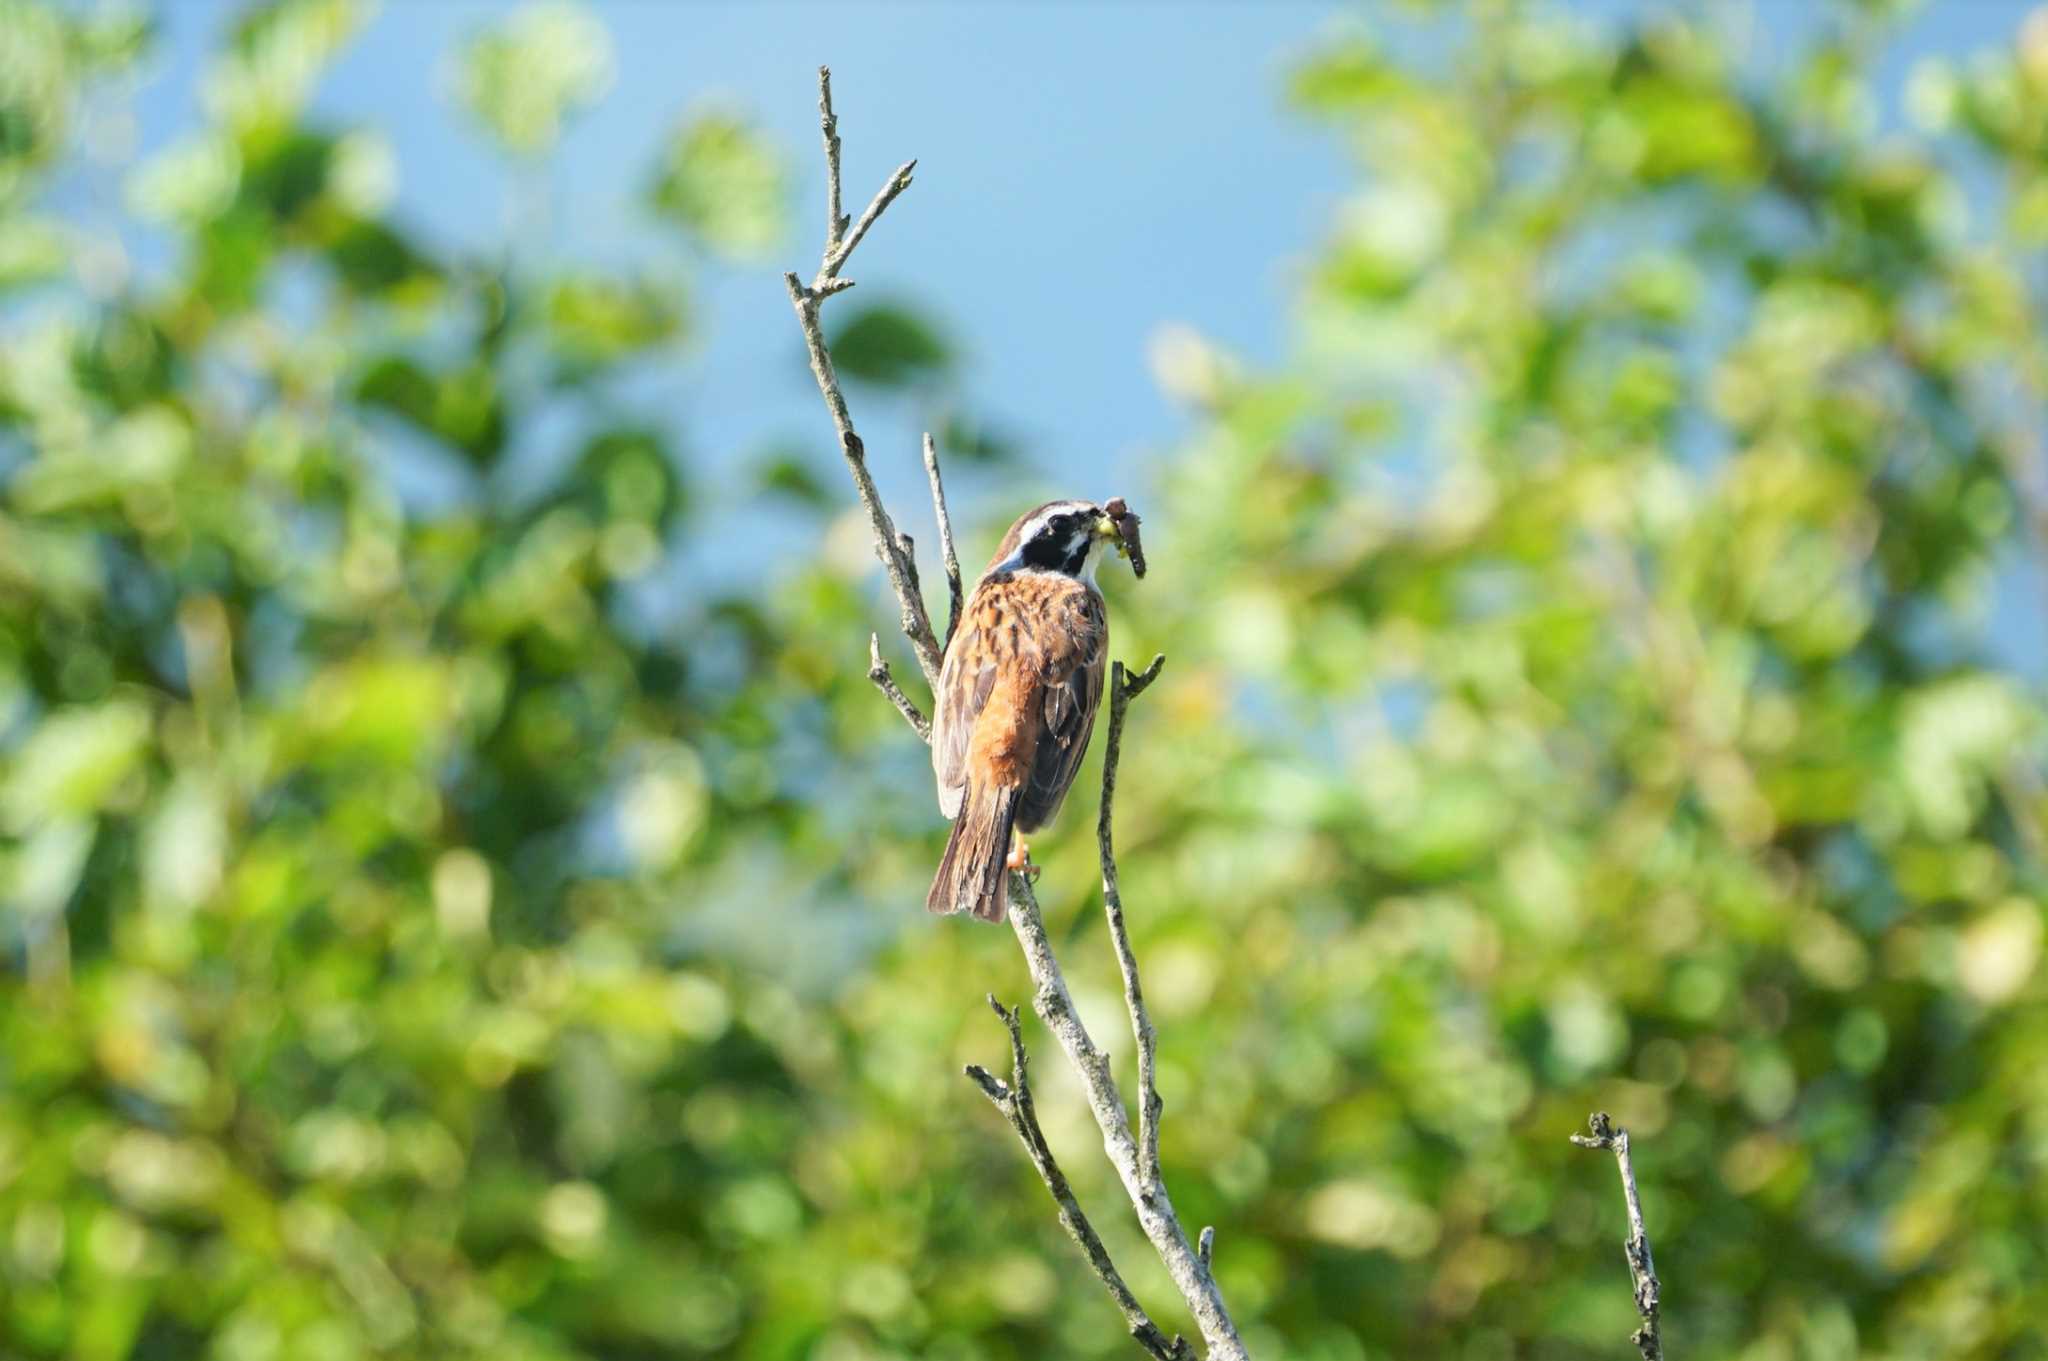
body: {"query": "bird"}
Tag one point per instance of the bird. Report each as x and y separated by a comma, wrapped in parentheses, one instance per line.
(1018, 690)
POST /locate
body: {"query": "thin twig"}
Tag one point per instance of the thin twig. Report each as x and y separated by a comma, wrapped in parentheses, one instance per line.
(1014, 1101)
(1124, 687)
(835, 220)
(907, 548)
(878, 672)
(1642, 1271)
(884, 196)
(917, 626)
(951, 558)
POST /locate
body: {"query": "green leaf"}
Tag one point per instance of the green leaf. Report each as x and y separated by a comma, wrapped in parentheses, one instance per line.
(188, 181)
(1354, 75)
(287, 175)
(32, 250)
(786, 474)
(973, 441)
(462, 406)
(72, 763)
(725, 184)
(596, 320)
(372, 258)
(278, 53)
(891, 345)
(525, 78)
(631, 474)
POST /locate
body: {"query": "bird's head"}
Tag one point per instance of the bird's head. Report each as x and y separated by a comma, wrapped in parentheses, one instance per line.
(1068, 537)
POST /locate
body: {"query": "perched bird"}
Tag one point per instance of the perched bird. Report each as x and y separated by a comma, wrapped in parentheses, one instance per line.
(1018, 693)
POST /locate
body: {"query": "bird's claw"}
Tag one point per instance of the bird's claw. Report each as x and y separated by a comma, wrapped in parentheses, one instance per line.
(1020, 860)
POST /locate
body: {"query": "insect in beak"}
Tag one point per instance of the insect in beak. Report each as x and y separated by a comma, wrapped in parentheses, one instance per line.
(1120, 522)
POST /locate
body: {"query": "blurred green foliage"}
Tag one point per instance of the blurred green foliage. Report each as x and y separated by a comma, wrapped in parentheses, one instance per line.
(422, 945)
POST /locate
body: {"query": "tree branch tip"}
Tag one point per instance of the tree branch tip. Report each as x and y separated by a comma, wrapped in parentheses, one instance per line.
(1607, 1135)
(1205, 1246)
(949, 554)
(1131, 686)
(1147, 1335)
(885, 681)
(991, 1086)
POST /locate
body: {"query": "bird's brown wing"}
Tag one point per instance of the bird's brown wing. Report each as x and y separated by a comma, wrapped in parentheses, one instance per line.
(965, 679)
(1071, 680)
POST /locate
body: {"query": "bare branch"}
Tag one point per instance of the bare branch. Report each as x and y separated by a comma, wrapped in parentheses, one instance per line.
(896, 560)
(1205, 1246)
(835, 221)
(907, 548)
(1606, 1134)
(1122, 686)
(884, 196)
(1014, 1101)
(1055, 1006)
(945, 519)
(878, 672)
(916, 623)
(1143, 680)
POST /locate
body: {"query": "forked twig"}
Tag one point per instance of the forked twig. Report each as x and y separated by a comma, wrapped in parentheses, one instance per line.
(889, 547)
(1146, 1191)
(1014, 1101)
(878, 672)
(1642, 1270)
(1135, 1157)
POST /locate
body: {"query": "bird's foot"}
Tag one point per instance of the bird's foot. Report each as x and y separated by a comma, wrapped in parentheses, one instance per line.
(1020, 859)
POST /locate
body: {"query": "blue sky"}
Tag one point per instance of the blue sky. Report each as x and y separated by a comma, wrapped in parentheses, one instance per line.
(1087, 174)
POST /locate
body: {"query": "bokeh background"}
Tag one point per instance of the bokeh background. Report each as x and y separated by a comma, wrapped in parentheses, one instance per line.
(460, 892)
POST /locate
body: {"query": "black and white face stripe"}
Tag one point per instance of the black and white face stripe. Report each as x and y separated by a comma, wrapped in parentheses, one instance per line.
(1060, 547)
(1059, 537)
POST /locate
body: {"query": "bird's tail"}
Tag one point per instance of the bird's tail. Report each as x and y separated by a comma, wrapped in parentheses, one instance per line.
(971, 874)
